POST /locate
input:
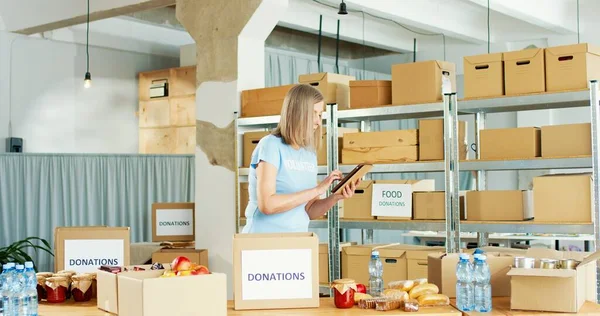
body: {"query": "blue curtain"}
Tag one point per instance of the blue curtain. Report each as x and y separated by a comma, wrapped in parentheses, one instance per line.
(39, 192)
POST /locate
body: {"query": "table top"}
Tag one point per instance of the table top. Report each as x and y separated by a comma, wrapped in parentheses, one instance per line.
(501, 307)
(327, 308)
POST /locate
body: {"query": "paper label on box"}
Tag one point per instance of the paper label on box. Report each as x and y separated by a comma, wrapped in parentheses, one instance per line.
(86, 255)
(174, 222)
(277, 274)
(392, 200)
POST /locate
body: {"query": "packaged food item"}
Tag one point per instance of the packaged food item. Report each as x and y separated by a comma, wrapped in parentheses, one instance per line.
(81, 288)
(395, 294)
(405, 286)
(41, 287)
(433, 300)
(367, 303)
(420, 281)
(361, 296)
(111, 269)
(344, 293)
(411, 305)
(157, 266)
(387, 304)
(423, 289)
(56, 289)
(67, 275)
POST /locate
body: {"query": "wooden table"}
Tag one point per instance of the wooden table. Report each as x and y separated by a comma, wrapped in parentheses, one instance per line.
(326, 308)
(501, 307)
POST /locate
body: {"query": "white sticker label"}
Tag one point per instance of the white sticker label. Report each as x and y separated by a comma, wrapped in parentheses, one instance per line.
(86, 255)
(175, 222)
(277, 274)
(392, 200)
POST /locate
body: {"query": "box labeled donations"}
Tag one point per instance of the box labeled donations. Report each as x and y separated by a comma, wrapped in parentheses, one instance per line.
(173, 222)
(276, 271)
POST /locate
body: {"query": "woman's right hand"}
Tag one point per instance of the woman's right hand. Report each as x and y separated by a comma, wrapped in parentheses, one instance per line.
(336, 175)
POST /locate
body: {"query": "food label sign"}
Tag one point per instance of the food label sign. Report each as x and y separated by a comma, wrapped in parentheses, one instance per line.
(277, 274)
(392, 200)
(86, 255)
(174, 222)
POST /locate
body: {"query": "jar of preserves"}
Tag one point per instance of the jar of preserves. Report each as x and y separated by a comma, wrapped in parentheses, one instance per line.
(56, 289)
(94, 284)
(67, 275)
(81, 287)
(343, 294)
(41, 287)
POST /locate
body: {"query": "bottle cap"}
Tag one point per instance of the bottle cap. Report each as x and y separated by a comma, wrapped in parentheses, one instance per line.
(11, 264)
(28, 264)
(20, 267)
(482, 257)
(5, 266)
(375, 253)
(464, 256)
(476, 256)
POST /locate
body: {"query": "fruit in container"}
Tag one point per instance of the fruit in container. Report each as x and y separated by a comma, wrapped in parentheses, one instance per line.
(200, 269)
(168, 274)
(181, 263)
(361, 288)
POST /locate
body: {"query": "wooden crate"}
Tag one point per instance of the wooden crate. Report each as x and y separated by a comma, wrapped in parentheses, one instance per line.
(183, 81)
(183, 111)
(156, 140)
(146, 78)
(155, 113)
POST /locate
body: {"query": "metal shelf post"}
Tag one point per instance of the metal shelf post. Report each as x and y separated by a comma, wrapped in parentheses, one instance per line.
(482, 237)
(366, 234)
(451, 173)
(333, 218)
(595, 119)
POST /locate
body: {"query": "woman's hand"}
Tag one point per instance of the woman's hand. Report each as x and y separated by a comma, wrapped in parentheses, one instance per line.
(336, 175)
(348, 191)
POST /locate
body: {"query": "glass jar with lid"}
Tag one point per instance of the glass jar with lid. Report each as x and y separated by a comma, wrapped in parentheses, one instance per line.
(56, 289)
(81, 287)
(343, 292)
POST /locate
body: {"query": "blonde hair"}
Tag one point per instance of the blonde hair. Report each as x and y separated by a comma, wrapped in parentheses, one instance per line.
(296, 126)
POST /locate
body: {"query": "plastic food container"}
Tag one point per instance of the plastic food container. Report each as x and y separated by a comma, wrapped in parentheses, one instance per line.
(56, 289)
(344, 293)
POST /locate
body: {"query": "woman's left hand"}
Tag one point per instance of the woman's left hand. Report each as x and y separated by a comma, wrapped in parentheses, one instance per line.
(348, 190)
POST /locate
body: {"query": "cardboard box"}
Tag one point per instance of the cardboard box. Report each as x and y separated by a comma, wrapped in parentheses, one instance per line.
(198, 256)
(511, 143)
(441, 270)
(264, 101)
(554, 290)
(324, 260)
(524, 71)
(355, 261)
(334, 87)
(322, 152)
(571, 67)
(173, 222)
(250, 140)
(567, 140)
(408, 137)
(484, 76)
(421, 82)
(380, 155)
(370, 93)
(107, 284)
(86, 248)
(264, 265)
(499, 205)
(417, 265)
(244, 198)
(431, 140)
(359, 205)
(432, 206)
(563, 198)
(392, 199)
(146, 293)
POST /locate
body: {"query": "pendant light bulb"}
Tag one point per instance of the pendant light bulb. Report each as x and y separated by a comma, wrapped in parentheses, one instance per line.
(87, 82)
(343, 10)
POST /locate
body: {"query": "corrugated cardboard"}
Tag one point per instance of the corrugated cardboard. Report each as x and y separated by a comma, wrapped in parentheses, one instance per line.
(441, 271)
(416, 186)
(567, 140)
(431, 140)
(484, 75)
(571, 67)
(334, 87)
(524, 71)
(370, 93)
(292, 254)
(499, 205)
(408, 137)
(355, 264)
(244, 198)
(90, 247)
(181, 220)
(563, 198)
(432, 205)
(108, 288)
(198, 256)
(379, 155)
(322, 152)
(264, 101)
(421, 82)
(324, 260)
(554, 290)
(149, 295)
(511, 143)
(251, 140)
(417, 262)
(359, 205)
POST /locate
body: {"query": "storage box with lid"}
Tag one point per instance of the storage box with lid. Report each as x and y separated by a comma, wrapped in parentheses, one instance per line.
(431, 139)
(380, 147)
(359, 205)
(524, 71)
(571, 67)
(392, 199)
(198, 256)
(322, 152)
(173, 222)
(499, 205)
(324, 260)
(432, 205)
(370, 93)
(510, 143)
(264, 101)
(421, 82)
(563, 198)
(566, 140)
(334, 87)
(483, 76)
(250, 140)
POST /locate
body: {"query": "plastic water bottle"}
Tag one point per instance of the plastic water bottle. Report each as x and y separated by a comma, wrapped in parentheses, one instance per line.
(375, 275)
(6, 289)
(31, 300)
(483, 288)
(2, 283)
(18, 293)
(464, 284)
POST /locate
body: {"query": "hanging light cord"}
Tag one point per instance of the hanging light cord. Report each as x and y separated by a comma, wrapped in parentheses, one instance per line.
(578, 37)
(87, 38)
(488, 25)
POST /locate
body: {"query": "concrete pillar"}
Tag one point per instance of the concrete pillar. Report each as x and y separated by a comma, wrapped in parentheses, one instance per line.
(230, 38)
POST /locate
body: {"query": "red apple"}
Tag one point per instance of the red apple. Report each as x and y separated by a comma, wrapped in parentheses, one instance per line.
(200, 269)
(361, 288)
(181, 263)
(184, 272)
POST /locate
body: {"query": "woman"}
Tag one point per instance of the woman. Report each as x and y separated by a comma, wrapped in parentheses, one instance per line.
(283, 169)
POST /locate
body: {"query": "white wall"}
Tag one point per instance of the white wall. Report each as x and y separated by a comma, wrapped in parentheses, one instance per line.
(42, 80)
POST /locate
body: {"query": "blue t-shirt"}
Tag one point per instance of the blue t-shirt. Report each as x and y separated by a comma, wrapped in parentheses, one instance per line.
(296, 171)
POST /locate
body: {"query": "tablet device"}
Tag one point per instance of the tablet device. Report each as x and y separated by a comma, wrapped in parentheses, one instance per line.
(358, 172)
